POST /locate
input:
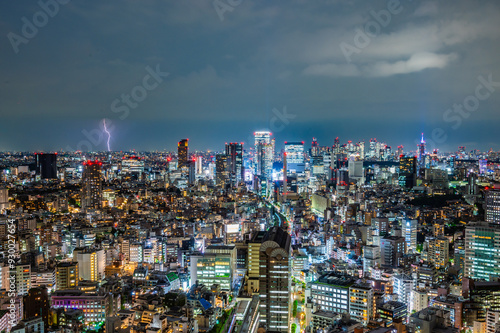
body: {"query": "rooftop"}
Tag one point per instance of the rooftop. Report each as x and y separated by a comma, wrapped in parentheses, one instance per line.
(335, 279)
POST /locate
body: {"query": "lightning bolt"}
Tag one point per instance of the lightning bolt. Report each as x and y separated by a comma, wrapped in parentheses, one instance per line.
(107, 132)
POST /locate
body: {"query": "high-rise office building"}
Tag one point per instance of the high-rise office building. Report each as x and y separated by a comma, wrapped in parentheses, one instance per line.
(407, 171)
(264, 154)
(482, 251)
(314, 148)
(67, 275)
(374, 149)
(262, 137)
(492, 206)
(285, 176)
(91, 185)
(342, 177)
(46, 165)
(336, 146)
(234, 153)
(275, 280)
(294, 152)
(191, 166)
(356, 171)
(400, 150)
(409, 228)
(253, 261)
(295, 156)
(199, 165)
(483, 166)
(221, 172)
(360, 148)
(407, 164)
(472, 187)
(182, 153)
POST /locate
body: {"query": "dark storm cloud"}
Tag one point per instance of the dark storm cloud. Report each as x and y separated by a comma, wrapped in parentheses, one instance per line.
(226, 76)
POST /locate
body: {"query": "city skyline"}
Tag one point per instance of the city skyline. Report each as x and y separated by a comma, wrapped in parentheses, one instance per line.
(238, 166)
(430, 146)
(214, 75)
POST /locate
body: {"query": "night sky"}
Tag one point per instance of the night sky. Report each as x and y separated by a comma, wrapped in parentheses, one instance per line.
(299, 68)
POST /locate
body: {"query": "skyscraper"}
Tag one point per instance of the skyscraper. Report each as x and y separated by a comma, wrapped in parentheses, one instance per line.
(356, 171)
(483, 166)
(421, 155)
(199, 165)
(482, 251)
(46, 165)
(264, 153)
(492, 206)
(409, 228)
(254, 261)
(336, 146)
(400, 150)
(234, 154)
(373, 148)
(472, 188)
(407, 171)
(360, 147)
(407, 164)
(295, 156)
(314, 148)
(182, 153)
(275, 279)
(285, 175)
(91, 185)
(191, 171)
(221, 172)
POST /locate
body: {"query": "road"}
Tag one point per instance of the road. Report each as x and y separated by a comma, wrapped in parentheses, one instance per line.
(301, 324)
